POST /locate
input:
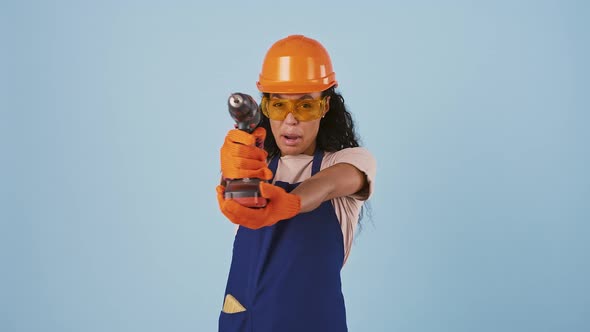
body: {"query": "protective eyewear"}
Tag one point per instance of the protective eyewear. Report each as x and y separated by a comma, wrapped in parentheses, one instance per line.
(302, 109)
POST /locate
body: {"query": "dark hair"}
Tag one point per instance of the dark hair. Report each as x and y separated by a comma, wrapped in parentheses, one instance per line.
(336, 128)
(336, 132)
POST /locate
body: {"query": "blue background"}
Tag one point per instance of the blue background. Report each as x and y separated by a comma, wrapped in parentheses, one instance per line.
(112, 115)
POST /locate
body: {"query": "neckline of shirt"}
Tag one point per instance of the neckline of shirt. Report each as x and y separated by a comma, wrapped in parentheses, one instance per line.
(299, 156)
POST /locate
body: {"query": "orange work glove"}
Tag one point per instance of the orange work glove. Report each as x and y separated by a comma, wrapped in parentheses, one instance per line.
(241, 158)
(281, 205)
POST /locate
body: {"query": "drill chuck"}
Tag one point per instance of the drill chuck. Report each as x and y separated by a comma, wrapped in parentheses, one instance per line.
(244, 110)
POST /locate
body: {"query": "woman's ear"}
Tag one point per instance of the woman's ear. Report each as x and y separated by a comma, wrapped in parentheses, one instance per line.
(326, 106)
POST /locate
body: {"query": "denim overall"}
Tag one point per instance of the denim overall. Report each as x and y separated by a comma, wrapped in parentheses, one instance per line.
(287, 276)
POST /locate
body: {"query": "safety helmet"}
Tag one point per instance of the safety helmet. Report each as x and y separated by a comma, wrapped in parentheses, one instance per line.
(296, 64)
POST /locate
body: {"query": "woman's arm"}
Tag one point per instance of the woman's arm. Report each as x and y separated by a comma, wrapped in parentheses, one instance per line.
(339, 180)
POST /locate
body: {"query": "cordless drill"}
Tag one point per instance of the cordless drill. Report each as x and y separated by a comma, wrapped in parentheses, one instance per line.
(244, 110)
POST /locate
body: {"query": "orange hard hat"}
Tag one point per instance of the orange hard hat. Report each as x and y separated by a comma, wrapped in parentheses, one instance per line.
(296, 64)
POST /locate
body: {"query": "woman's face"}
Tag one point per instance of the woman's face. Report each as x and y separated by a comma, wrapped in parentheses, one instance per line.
(295, 137)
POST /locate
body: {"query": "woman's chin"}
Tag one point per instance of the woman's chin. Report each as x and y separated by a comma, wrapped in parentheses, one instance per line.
(289, 150)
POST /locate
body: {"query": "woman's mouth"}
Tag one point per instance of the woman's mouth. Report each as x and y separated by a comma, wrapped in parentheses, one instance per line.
(291, 140)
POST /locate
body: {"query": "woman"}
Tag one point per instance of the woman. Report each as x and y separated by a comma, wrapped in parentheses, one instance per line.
(287, 256)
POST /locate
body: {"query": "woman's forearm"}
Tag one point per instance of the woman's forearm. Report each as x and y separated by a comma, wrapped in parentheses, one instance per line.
(335, 181)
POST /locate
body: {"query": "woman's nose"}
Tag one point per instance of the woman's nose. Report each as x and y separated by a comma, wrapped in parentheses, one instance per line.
(290, 119)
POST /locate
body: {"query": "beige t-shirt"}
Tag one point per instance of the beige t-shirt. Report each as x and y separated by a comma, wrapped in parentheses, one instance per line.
(293, 169)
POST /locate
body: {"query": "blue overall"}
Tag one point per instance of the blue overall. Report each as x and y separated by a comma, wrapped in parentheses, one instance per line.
(287, 275)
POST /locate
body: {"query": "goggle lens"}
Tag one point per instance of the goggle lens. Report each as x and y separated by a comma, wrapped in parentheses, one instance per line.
(302, 109)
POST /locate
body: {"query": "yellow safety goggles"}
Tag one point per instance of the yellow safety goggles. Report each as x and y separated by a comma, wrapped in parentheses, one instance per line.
(302, 109)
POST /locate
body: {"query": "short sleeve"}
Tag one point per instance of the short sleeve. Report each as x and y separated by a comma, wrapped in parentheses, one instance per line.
(364, 161)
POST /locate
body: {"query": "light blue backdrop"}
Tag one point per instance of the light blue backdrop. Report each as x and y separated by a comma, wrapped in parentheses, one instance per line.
(112, 115)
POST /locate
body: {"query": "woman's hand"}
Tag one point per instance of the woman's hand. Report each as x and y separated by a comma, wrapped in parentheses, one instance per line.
(241, 158)
(281, 205)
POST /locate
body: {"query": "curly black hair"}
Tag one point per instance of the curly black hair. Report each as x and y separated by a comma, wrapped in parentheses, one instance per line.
(336, 128)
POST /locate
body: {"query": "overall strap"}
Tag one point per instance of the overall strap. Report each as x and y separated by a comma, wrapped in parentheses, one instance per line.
(317, 161)
(274, 163)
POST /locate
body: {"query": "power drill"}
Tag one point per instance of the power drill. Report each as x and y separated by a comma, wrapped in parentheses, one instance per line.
(244, 110)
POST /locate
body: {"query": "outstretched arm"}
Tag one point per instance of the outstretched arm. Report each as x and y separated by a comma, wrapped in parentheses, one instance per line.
(338, 180)
(341, 179)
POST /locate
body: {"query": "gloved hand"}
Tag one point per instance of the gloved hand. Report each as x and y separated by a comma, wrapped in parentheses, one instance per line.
(241, 158)
(281, 205)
